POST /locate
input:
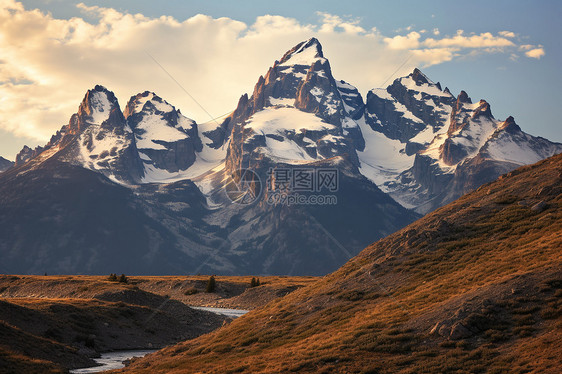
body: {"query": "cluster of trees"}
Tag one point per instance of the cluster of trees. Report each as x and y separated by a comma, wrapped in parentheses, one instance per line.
(121, 279)
(212, 283)
(254, 282)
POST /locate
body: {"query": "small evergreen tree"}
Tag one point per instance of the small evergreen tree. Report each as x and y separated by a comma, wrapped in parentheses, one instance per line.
(253, 282)
(123, 279)
(211, 283)
(257, 282)
(112, 277)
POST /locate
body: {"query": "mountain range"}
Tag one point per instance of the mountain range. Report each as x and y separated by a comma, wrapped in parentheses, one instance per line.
(148, 190)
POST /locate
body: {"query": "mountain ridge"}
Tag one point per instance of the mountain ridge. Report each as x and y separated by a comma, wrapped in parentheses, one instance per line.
(299, 117)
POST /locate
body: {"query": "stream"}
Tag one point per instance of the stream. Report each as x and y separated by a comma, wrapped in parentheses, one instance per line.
(234, 313)
(114, 360)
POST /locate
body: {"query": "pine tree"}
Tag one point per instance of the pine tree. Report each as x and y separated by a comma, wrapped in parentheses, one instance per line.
(112, 277)
(211, 283)
(123, 279)
(253, 282)
(257, 282)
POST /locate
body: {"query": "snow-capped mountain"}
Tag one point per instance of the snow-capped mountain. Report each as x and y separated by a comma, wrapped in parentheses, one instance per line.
(295, 115)
(297, 119)
(167, 142)
(443, 146)
(153, 186)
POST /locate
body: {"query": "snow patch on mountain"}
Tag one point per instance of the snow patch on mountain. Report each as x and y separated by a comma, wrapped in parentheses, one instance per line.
(279, 120)
(288, 102)
(383, 159)
(154, 128)
(100, 107)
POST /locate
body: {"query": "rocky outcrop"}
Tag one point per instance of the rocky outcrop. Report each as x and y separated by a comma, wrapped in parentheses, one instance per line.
(5, 164)
(27, 154)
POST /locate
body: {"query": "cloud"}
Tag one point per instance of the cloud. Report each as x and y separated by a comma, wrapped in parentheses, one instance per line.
(332, 23)
(404, 42)
(507, 34)
(473, 41)
(436, 31)
(47, 64)
(434, 56)
(535, 53)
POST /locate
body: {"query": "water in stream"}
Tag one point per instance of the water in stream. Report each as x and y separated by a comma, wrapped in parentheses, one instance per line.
(112, 360)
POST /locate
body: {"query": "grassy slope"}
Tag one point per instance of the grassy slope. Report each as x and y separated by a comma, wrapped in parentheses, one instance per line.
(475, 286)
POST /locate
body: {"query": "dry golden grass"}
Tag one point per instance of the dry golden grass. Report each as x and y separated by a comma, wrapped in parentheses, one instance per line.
(488, 261)
(230, 291)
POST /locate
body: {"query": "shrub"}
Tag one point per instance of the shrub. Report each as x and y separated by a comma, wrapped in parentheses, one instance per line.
(112, 277)
(211, 284)
(191, 291)
(123, 279)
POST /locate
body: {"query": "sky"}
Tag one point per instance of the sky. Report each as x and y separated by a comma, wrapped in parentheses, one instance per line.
(51, 52)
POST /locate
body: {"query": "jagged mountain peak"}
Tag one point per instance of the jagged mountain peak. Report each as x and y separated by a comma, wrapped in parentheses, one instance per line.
(510, 126)
(419, 82)
(305, 53)
(100, 99)
(419, 77)
(99, 106)
(147, 100)
(464, 98)
(483, 109)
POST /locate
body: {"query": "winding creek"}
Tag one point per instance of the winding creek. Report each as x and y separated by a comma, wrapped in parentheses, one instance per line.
(112, 360)
(115, 359)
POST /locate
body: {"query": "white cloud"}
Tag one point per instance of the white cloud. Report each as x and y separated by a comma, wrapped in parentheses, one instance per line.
(332, 23)
(434, 56)
(474, 41)
(47, 64)
(412, 40)
(436, 31)
(507, 34)
(535, 53)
